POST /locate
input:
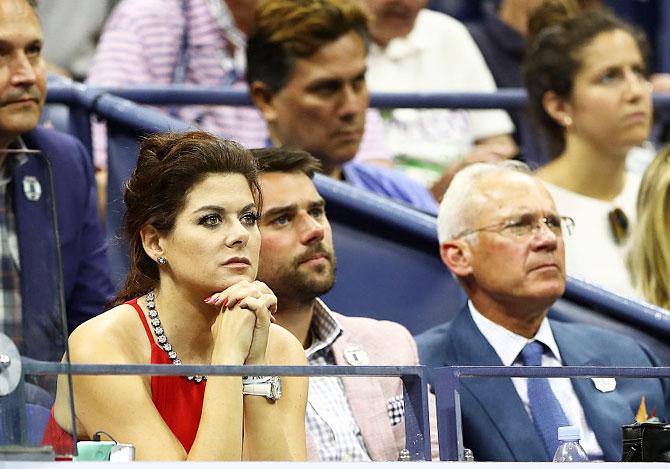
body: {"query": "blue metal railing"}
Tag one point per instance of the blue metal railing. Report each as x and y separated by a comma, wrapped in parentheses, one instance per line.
(417, 429)
(174, 95)
(446, 383)
(87, 101)
(647, 316)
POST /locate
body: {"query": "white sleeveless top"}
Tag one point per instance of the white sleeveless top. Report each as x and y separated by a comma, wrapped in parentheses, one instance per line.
(591, 252)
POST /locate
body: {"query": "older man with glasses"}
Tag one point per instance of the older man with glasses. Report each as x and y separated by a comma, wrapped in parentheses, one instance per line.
(502, 239)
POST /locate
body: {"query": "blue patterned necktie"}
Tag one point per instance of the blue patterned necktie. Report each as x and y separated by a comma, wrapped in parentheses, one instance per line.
(547, 412)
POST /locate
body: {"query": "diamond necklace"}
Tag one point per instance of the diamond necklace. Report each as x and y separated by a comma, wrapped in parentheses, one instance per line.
(162, 338)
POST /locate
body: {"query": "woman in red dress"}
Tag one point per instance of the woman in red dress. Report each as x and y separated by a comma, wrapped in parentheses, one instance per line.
(190, 297)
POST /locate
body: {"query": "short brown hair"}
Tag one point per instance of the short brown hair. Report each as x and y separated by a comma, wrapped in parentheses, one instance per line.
(286, 160)
(290, 29)
(168, 166)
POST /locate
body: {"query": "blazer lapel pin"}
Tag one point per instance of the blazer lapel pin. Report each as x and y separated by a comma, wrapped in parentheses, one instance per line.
(354, 355)
(604, 384)
(32, 188)
(641, 416)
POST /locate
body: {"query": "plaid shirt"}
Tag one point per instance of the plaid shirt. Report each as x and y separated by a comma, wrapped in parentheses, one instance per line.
(10, 267)
(329, 419)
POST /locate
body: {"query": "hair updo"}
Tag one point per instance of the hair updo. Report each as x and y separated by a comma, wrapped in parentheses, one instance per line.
(168, 167)
(557, 33)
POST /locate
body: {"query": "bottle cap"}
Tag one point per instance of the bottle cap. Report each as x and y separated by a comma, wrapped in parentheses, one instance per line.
(468, 455)
(570, 433)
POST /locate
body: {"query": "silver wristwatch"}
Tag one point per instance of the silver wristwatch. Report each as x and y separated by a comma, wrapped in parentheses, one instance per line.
(267, 386)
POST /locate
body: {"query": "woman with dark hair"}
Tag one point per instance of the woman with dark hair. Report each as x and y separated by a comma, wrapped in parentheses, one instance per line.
(587, 88)
(190, 297)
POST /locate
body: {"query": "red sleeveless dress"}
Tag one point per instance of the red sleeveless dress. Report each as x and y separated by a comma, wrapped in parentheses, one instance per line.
(178, 400)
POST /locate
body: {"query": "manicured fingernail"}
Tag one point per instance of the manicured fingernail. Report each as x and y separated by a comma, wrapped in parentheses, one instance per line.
(225, 302)
(208, 299)
(239, 301)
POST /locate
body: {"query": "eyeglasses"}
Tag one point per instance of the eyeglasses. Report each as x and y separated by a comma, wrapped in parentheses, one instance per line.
(527, 225)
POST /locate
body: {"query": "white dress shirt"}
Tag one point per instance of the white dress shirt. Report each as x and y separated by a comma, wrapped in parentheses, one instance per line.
(508, 346)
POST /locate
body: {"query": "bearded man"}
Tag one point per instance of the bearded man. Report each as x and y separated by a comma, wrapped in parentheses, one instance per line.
(348, 418)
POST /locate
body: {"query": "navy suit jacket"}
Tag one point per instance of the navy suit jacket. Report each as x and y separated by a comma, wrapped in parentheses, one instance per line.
(496, 425)
(78, 240)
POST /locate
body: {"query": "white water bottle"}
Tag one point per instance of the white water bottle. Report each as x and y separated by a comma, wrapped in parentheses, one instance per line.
(569, 449)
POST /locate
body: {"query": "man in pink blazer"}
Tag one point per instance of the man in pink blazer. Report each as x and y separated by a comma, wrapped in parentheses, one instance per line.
(348, 418)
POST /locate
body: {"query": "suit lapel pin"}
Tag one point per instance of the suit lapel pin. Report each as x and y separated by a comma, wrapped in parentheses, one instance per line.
(354, 355)
(32, 188)
(604, 384)
(641, 416)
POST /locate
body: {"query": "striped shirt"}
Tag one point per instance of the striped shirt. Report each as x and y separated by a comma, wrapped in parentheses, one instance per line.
(10, 267)
(141, 45)
(329, 419)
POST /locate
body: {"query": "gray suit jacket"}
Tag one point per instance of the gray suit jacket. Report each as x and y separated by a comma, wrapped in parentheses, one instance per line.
(496, 425)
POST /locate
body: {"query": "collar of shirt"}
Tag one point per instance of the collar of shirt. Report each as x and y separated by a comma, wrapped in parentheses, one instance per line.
(506, 343)
(412, 44)
(508, 346)
(224, 18)
(324, 328)
(15, 151)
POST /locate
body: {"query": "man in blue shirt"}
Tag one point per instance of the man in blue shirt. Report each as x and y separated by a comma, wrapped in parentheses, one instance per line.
(306, 73)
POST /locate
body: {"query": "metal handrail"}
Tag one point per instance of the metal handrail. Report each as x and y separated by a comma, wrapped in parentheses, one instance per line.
(35, 367)
(651, 318)
(417, 428)
(505, 98)
(446, 383)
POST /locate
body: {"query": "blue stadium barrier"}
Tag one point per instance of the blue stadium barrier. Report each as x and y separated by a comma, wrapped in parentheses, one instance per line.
(79, 100)
(446, 383)
(206, 95)
(126, 124)
(505, 98)
(388, 264)
(414, 379)
(387, 261)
